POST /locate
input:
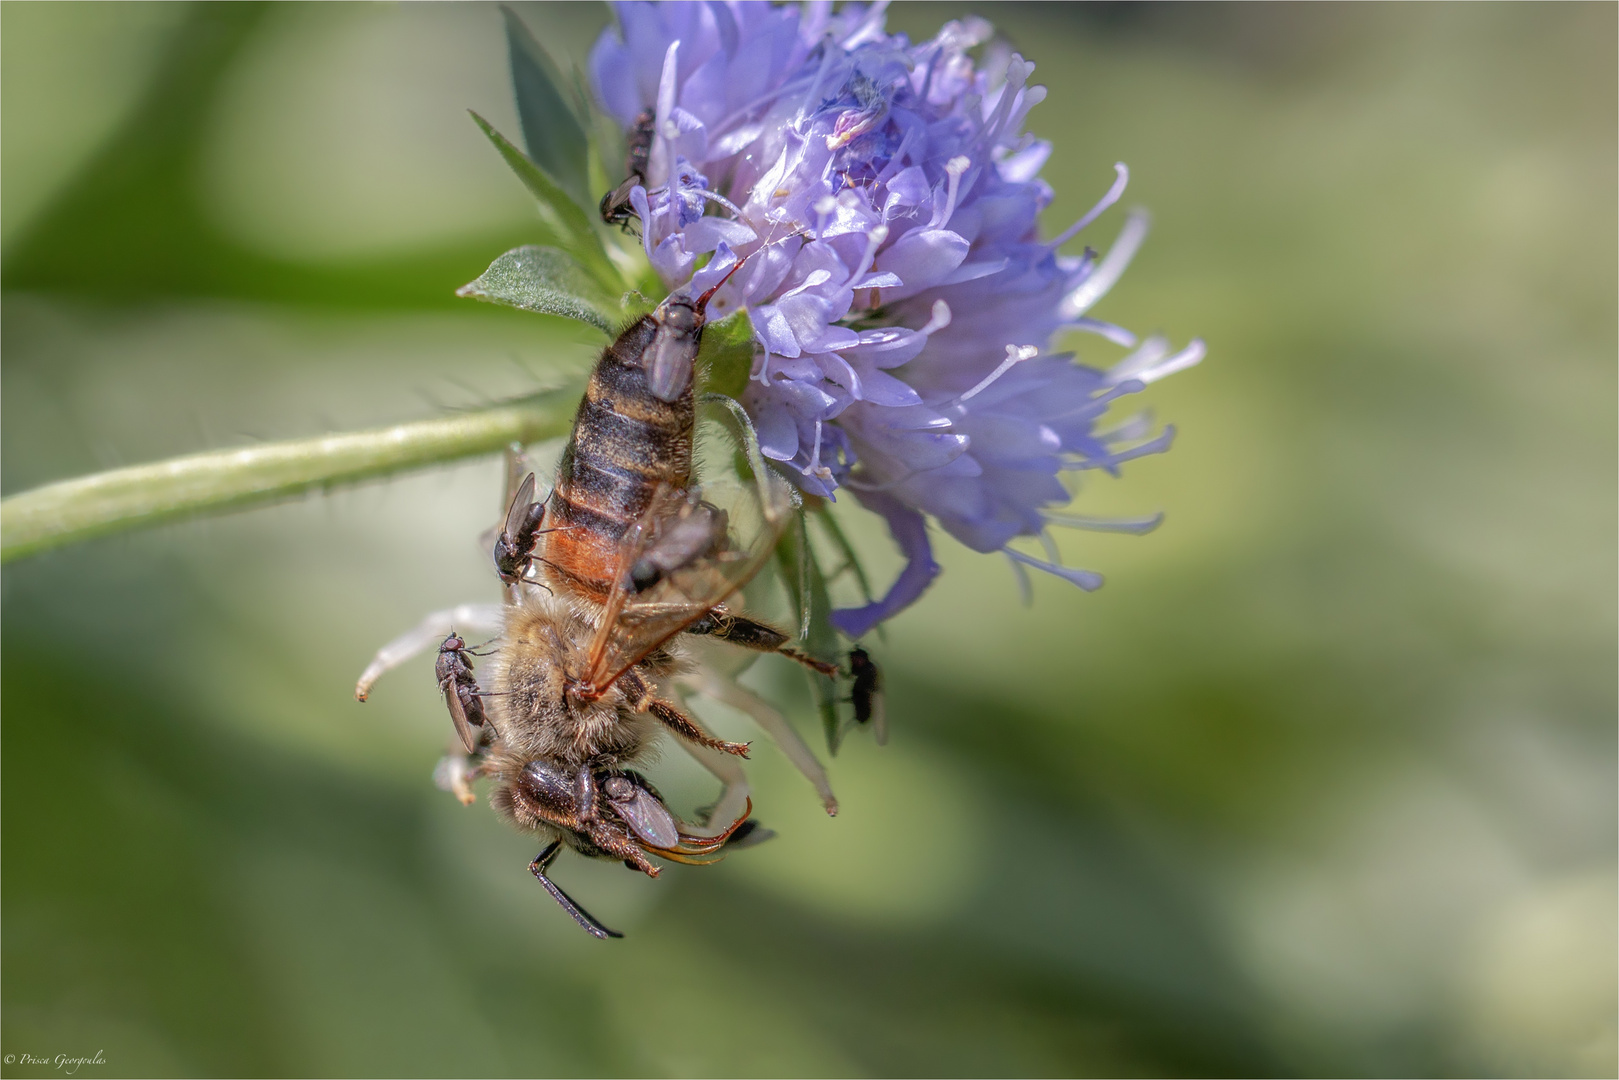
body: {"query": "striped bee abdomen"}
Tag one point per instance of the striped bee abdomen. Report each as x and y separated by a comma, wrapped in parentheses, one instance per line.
(625, 443)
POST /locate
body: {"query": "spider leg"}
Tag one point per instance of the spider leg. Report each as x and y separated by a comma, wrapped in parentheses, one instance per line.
(743, 700)
(480, 618)
(733, 795)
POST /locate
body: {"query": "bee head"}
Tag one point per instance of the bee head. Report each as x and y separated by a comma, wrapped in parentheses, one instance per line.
(683, 314)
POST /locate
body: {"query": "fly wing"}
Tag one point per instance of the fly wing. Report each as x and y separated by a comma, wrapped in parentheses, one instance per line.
(517, 512)
(651, 820)
(458, 715)
(879, 718)
(754, 514)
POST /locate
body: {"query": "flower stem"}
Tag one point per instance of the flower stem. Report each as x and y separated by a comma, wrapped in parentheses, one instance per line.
(107, 502)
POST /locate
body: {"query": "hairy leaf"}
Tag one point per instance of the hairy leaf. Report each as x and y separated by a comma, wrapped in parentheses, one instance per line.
(551, 129)
(572, 225)
(549, 281)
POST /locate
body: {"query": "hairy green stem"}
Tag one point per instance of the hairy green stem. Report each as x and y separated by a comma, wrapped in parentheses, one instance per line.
(108, 502)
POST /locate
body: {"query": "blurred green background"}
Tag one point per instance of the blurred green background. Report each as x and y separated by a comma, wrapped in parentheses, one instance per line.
(1322, 782)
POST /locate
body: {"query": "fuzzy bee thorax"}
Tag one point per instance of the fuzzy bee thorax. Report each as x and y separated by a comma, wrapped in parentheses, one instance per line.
(541, 657)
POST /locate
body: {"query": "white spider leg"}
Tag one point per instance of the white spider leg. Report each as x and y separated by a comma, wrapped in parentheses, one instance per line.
(733, 796)
(455, 773)
(774, 724)
(477, 618)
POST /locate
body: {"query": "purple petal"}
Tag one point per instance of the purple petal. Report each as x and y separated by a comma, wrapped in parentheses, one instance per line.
(613, 78)
(924, 257)
(910, 532)
(771, 328)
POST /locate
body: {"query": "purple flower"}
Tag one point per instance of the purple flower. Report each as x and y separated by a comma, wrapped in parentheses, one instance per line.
(887, 200)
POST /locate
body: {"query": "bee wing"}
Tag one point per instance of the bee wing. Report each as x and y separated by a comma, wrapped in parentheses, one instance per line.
(635, 623)
(518, 510)
(458, 716)
(650, 819)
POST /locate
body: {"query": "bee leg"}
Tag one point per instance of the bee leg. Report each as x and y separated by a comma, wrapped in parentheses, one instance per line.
(756, 636)
(635, 860)
(482, 618)
(615, 843)
(542, 863)
(584, 793)
(727, 692)
(687, 728)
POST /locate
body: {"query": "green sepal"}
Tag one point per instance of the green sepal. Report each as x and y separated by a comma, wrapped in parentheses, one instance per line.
(551, 129)
(564, 217)
(549, 281)
(801, 572)
(851, 560)
(725, 359)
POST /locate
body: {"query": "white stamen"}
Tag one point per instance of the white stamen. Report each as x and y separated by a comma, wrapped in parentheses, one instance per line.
(940, 319)
(1015, 354)
(1108, 271)
(1148, 367)
(1119, 182)
(1136, 526)
(953, 169)
(1088, 580)
(816, 469)
(714, 196)
(874, 240)
(1025, 587)
(1051, 546)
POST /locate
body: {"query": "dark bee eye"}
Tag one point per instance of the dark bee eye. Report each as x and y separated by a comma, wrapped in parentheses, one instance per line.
(643, 575)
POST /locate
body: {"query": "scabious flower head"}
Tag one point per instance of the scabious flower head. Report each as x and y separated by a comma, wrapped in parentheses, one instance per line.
(887, 200)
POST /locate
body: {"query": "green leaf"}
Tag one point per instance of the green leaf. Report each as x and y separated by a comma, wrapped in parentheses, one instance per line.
(572, 225)
(851, 560)
(795, 559)
(551, 129)
(549, 281)
(726, 356)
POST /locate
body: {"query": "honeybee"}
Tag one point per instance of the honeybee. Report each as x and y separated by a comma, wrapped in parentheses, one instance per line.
(637, 554)
(615, 205)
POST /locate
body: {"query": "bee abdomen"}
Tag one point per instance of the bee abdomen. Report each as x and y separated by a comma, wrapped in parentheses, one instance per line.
(626, 442)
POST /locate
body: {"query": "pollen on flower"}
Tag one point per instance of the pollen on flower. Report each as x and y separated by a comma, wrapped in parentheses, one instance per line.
(904, 305)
